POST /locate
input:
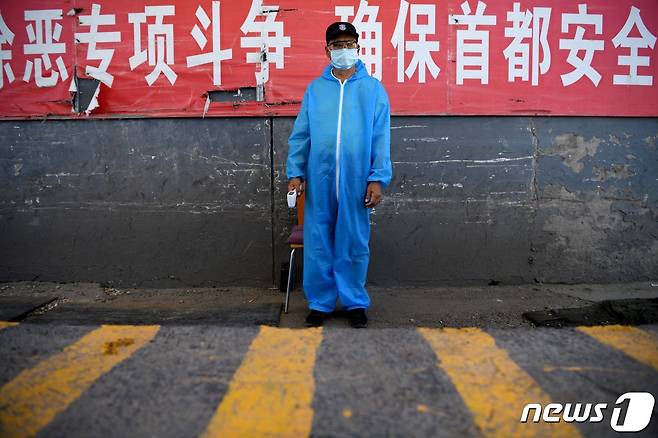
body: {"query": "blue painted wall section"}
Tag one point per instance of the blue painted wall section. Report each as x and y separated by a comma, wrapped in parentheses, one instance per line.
(144, 201)
(199, 202)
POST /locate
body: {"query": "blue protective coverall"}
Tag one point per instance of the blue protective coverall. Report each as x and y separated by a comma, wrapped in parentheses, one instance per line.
(340, 142)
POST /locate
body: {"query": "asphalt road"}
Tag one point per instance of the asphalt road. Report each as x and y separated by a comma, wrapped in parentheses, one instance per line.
(59, 380)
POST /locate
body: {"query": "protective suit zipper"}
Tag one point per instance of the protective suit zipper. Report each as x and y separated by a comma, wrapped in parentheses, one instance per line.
(340, 121)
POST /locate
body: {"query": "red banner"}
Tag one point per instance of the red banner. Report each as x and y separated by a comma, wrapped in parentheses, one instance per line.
(255, 57)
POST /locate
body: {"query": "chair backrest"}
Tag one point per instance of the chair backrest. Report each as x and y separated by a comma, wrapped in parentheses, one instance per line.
(300, 209)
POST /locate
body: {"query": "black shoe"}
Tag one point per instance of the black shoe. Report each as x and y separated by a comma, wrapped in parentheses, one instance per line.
(315, 318)
(357, 318)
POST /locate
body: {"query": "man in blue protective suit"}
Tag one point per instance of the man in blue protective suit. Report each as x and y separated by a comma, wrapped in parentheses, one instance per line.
(339, 152)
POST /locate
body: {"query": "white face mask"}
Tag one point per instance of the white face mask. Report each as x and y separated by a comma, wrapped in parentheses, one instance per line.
(344, 59)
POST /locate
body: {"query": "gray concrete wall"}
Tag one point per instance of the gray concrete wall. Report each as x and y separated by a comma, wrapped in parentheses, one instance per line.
(178, 202)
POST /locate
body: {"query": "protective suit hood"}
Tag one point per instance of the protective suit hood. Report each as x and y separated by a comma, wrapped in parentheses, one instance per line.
(359, 73)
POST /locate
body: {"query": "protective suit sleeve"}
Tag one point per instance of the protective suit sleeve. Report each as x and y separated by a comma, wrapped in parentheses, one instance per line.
(299, 143)
(380, 164)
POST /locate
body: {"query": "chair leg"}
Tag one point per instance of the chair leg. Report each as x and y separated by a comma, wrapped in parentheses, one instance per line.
(290, 277)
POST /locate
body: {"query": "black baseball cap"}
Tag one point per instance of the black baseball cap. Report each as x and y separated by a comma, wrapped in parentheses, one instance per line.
(339, 28)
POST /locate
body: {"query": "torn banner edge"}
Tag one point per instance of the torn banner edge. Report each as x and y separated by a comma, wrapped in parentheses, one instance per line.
(93, 103)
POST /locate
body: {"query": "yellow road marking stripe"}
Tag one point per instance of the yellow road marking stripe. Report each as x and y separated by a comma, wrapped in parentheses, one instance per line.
(5, 324)
(632, 341)
(491, 384)
(272, 391)
(33, 398)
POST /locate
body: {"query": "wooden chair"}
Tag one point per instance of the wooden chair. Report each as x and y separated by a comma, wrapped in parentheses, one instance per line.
(296, 241)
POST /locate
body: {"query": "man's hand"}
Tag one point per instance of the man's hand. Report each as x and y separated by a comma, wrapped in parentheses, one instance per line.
(296, 184)
(373, 194)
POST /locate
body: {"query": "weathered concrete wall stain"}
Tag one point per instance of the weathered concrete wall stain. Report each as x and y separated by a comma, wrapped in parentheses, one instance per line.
(572, 148)
(171, 202)
(601, 217)
(620, 171)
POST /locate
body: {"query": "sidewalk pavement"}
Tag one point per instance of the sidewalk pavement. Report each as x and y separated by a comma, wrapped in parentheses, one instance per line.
(499, 306)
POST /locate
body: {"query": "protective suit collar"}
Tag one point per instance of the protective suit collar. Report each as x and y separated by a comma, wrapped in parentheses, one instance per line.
(359, 73)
